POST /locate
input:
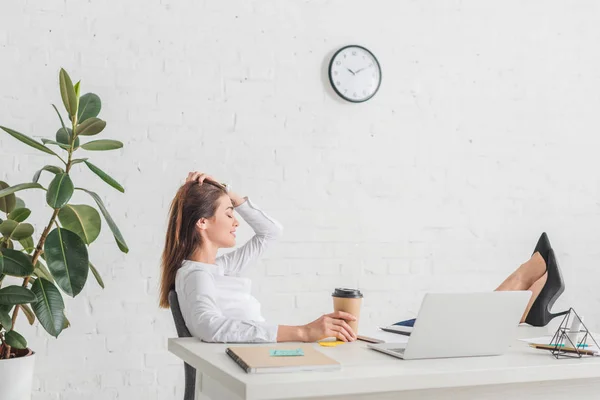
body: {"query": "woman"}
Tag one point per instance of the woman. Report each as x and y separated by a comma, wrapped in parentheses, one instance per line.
(216, 303)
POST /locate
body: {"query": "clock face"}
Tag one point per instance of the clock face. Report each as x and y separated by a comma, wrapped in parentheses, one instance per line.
(354, 73)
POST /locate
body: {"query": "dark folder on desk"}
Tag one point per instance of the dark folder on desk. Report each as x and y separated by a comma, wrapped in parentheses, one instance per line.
(401, 328)
(257, 359)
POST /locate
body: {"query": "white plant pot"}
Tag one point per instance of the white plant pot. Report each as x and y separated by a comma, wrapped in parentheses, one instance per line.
(16, 378)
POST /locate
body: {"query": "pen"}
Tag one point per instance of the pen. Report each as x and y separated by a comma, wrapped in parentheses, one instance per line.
(563, 345)
(565, 349)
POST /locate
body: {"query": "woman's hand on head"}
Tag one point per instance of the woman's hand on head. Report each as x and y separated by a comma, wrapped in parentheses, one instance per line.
(199, 177)
(330, 325)
(196, 176)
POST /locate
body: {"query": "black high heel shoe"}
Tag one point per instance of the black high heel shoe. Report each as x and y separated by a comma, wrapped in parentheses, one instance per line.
(539, 314)
(543, 247)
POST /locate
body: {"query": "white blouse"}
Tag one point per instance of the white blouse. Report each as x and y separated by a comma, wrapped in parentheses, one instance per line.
(215, 301)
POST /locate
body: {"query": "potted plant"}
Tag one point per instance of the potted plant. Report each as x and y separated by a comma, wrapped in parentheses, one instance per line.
(59, 261)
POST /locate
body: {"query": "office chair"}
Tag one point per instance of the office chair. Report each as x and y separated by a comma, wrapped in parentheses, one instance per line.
(182, 331)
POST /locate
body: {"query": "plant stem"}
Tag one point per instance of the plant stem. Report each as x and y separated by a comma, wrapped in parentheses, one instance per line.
(74, 132)
(5, 349)
(40, 245)
(36, 255)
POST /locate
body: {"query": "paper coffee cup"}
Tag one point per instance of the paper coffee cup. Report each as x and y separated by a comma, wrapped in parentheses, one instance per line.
(350, 301)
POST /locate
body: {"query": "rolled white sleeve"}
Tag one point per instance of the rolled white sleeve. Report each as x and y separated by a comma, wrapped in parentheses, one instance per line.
(204, 319)
(266, 231)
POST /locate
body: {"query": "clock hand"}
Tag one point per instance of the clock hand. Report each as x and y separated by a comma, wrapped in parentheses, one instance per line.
(362, 69)
(353, 73)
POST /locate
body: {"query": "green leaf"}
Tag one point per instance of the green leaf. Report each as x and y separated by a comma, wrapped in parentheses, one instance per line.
(60, 191)
(62, 123)
(62, 146)
(16, 263)
(15, 340)
(5, 320)
(41, 271)
(1, 266)
(97, 275)
(11, 295)
(66, 324)
(27, 140)
(8, 203)
(8, 227)
(27, 244)
(64, 136)
(113, 227)
(76, 87)
(28, 313)
(89, 106)
(49, 168)
(78, 160)
(105, 177)
(22, 186)
(23, 231)
(19, 214)
(20, 203)
(102, 144)
(90, 127)
(81, 219)
(49, 309)
(67, 92)
(67, 258)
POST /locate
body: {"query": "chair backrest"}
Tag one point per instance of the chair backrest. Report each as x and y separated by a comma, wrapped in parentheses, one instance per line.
(182, 330)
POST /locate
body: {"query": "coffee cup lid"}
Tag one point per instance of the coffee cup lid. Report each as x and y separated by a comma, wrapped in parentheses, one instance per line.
(347, 293)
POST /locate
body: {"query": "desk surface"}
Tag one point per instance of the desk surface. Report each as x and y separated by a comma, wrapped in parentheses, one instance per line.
(368, 371)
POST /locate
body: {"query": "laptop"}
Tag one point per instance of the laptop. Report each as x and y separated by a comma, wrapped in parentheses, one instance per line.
(462, 325)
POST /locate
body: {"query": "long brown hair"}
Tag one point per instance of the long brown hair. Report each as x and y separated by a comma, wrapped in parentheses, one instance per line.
(192, 202)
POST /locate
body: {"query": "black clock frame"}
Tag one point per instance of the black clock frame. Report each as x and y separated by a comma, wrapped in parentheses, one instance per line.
(331, 78)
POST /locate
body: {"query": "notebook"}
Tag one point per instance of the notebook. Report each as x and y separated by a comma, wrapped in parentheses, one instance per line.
(382, 335)
(258, 359)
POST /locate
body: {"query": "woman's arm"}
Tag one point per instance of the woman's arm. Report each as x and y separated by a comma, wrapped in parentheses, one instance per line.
(197, 295)
(237, 199)
(329, 325)
(266, 231)
(287, 333)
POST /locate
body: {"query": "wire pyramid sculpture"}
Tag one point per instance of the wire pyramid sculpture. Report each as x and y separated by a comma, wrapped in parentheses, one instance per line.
(562, 345)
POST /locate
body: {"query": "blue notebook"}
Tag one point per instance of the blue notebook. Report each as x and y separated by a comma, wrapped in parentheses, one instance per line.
(402, 327)
(408, 322)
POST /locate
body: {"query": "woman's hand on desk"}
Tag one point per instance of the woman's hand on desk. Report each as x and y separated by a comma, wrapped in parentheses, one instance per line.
(330, 325)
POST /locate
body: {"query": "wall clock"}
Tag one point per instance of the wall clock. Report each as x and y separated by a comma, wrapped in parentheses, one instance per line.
(354, 73)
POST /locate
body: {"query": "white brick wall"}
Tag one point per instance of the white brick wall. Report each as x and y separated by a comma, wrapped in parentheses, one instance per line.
(484, 134)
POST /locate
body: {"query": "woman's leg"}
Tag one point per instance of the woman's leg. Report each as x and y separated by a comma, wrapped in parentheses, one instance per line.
(526, 275)
(529, 276)
(536, 288)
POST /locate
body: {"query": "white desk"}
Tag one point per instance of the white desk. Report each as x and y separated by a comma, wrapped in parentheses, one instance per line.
(367, 374)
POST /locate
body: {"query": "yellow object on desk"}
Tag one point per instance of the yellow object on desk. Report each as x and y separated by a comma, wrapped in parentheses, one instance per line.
(330, 343)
